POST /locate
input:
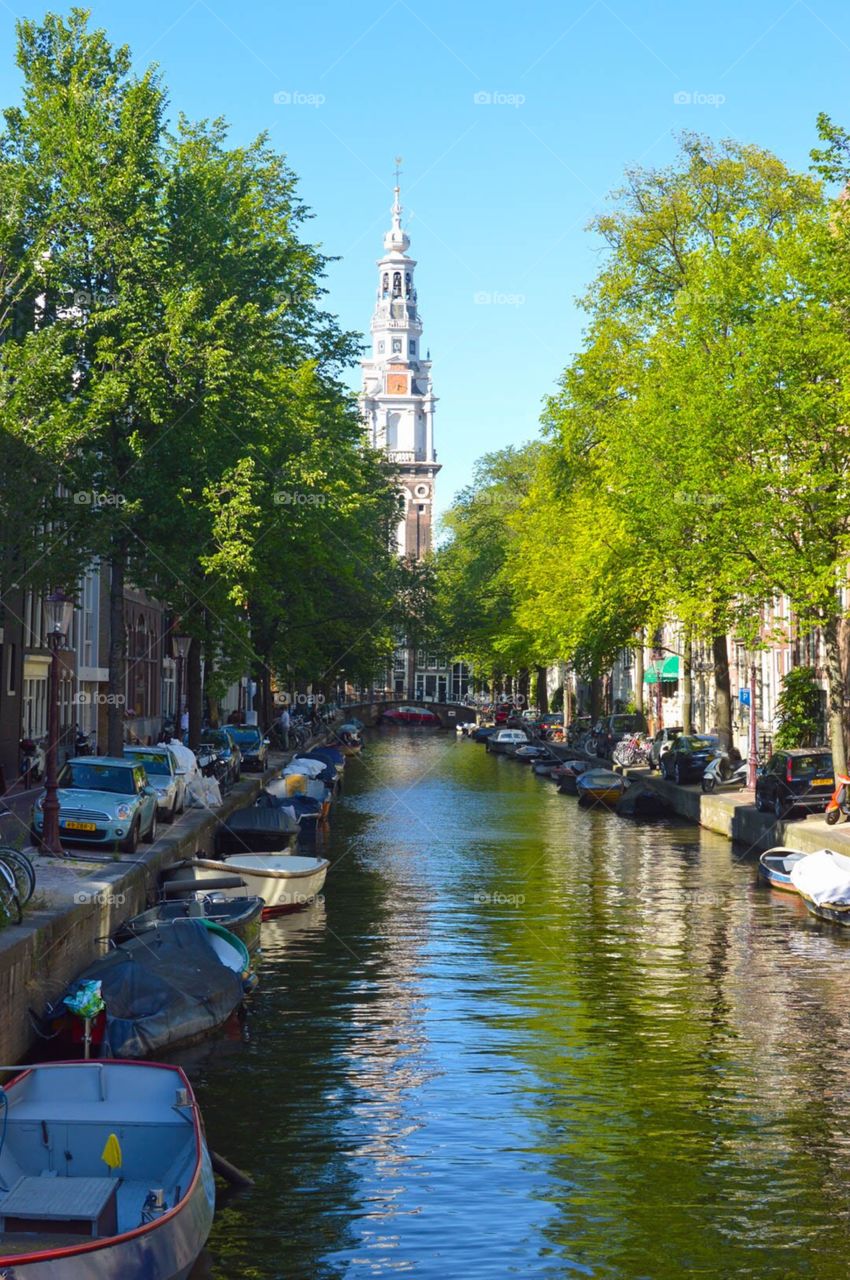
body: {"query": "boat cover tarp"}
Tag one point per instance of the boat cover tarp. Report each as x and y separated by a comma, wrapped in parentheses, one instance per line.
(162, 988)
(332, 755)
(304, 764)
(823, 876)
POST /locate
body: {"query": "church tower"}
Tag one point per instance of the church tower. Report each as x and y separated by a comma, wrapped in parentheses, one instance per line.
(397, 400)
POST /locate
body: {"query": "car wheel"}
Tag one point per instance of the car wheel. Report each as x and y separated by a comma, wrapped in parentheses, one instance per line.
(680, 779)
(131, 843)
(780, 810)
(171, 814)
(760, 805)
(151, 836)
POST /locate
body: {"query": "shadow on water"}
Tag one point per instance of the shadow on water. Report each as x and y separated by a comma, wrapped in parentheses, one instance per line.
(520, 1038)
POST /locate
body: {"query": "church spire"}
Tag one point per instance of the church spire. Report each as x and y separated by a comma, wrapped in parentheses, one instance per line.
(397, 240)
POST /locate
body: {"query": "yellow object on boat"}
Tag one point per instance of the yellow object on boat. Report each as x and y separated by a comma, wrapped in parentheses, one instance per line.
(111, 1153)
(296, 784)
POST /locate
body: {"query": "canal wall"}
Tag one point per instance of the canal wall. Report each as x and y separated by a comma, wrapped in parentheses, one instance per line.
(733, 813)
(79, 903)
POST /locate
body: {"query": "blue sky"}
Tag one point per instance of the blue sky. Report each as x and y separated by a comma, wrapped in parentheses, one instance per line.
(514, 122)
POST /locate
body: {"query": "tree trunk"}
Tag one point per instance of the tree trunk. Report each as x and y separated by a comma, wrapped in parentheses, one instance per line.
(595, 698)
(194, 693)
(541, 692)
(836, 701)
(523, 683)
(117, 645)
(722, 691)
(639, 673)
(687, 683)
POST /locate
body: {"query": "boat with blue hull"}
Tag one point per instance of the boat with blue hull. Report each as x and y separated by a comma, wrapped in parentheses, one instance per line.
(104, 1173)
(775, 867)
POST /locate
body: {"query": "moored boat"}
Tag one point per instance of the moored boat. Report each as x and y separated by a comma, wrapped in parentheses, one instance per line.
(822, 880)
(269, 828)
(239, 915)
(775, 867)
(600, 786)
(160, 989)
(119, 1183)
(284, 881)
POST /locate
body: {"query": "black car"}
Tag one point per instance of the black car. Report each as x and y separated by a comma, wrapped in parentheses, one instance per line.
(251, 743)
(219, 744)
(801, 778)
(614, 728)
(688, 757)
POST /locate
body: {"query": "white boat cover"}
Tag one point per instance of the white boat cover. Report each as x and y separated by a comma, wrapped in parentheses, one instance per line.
(823, 876)
(311, 768)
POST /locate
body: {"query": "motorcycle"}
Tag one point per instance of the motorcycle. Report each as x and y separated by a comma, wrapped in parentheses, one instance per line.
(82, 743)
(724, 774)
(839, 801)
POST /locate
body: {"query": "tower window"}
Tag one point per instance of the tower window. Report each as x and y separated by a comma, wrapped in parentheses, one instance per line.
(381, 345)
(397, 344)
(407, 283)
(385, 284)
(396, 284)
(411, 347)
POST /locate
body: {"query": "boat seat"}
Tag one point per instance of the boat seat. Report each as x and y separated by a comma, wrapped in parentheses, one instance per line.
(67, 1206)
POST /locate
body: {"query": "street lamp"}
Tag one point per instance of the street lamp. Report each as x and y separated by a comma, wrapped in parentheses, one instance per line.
(752, 751)
(58, 611)
(181, 644)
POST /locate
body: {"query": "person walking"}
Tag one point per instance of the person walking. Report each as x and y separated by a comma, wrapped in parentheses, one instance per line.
(284, 724)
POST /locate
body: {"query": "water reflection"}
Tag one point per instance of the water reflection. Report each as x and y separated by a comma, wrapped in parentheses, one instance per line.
(521, 1038)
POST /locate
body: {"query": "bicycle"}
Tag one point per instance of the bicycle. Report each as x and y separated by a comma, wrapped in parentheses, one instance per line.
(631, 752)
(22, 871)
(10, 903)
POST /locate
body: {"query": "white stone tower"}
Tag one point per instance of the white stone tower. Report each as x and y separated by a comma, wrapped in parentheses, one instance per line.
(397, 400)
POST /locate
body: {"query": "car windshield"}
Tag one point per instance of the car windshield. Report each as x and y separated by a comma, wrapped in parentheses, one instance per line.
(698, 744)
(214, 738)
(83, 776)
(153, 761)
(245, 737)
(818, 763)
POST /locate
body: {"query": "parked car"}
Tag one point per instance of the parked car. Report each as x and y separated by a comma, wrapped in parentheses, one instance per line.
(503, 711)
(102, 799)
(228, 757)
(165, 776)
(614, 728)
(661, 744)
(802, 778)
(254, 748)
(688, 757)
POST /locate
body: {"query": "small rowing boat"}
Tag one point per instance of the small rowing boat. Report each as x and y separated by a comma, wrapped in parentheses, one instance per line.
(822, 880)
(775, 867)
(104, 1173)
(600, 786)
(284, 881)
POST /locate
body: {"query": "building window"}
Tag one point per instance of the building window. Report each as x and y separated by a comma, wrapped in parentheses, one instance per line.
(397, 345)
(381, 346)
(411, 347)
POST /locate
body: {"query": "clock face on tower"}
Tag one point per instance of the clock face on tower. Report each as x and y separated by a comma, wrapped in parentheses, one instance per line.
(397, 384)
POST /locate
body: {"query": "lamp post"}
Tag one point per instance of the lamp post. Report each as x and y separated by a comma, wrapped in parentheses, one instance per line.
(181, 644)
(753, 754)
(58, 612)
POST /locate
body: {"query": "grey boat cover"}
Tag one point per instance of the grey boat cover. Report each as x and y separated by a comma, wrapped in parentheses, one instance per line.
(161, 988)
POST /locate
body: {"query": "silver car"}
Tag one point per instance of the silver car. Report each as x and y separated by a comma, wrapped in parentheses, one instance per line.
(164, 775)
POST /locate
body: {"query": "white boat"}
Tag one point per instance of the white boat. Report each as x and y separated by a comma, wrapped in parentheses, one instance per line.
(285, 881)
(104, 1173)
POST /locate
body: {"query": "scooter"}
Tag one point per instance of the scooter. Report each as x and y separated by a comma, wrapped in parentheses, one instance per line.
(721, 774)
(839, 801)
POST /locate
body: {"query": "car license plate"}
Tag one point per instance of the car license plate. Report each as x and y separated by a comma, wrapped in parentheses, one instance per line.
(822, 782)
(80, 826)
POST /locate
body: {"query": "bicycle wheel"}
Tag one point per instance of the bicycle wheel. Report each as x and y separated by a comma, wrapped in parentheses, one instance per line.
(22, 869)
(10, 903)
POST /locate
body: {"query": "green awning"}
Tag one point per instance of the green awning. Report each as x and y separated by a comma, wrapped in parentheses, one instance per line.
(669, 669)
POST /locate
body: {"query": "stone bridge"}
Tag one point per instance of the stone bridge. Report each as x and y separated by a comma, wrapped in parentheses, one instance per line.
(450, 713)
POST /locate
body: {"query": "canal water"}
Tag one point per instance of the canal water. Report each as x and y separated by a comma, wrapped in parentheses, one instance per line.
(519, 1038)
